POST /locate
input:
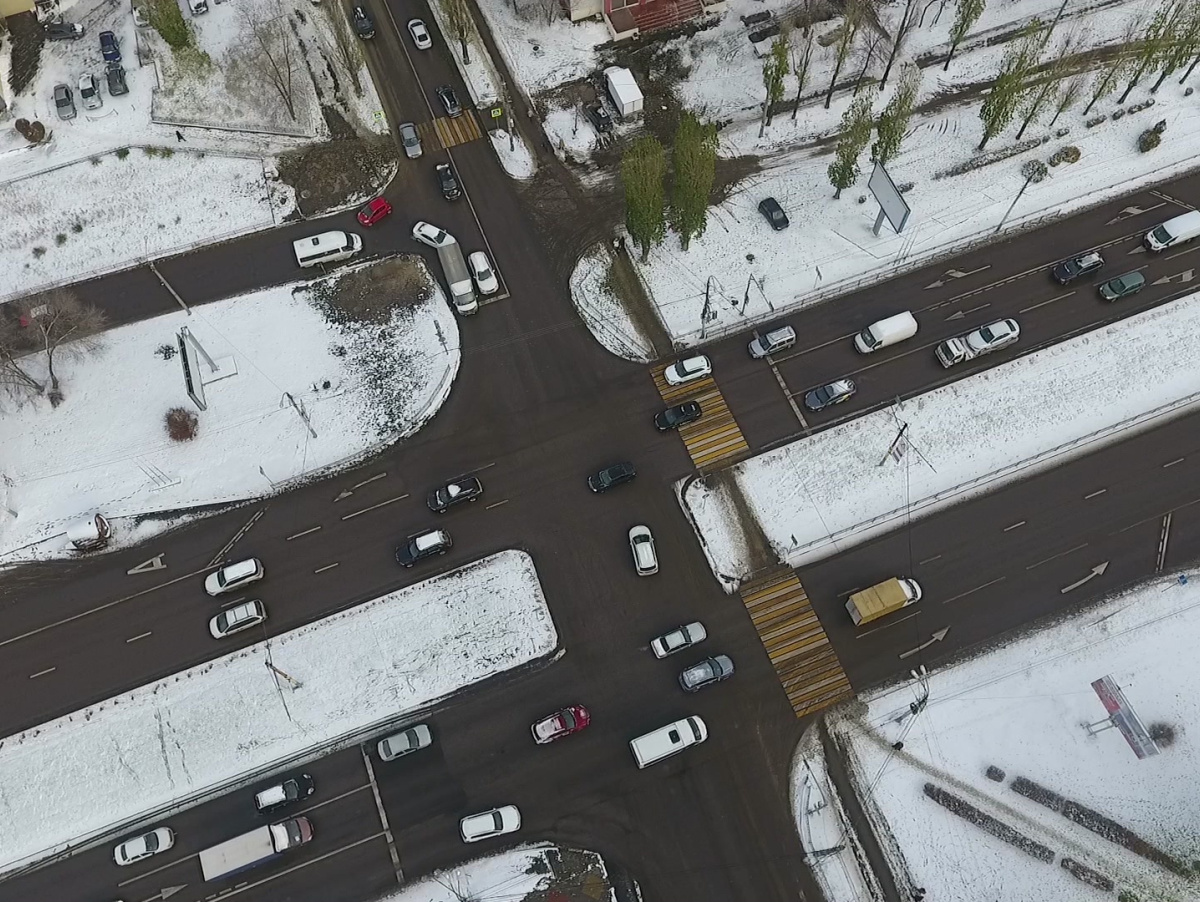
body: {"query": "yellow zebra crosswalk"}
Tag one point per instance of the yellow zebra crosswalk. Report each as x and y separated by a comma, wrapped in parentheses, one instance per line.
(714, 440)
(448, 132)
(789, 630)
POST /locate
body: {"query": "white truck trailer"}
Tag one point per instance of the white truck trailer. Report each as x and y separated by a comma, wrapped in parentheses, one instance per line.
(254, 848)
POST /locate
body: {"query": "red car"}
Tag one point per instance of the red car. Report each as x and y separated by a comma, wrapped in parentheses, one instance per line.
(375, 210)
(561, 723)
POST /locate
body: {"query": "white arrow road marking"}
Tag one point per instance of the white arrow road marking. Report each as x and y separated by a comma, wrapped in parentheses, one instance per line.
(937, 637)
(155, 563)
(1096, 571)
(1186, 276)
(956, 274)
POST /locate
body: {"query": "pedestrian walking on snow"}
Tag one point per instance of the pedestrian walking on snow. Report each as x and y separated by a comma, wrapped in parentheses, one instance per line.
(179, 135)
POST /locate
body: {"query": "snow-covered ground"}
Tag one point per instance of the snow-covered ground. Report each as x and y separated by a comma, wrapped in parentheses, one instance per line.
(822, 494)
(107, 212)
(602, 312)
(1026, 709)
(106, 171)
(139, 755)
(514, 154)
(829, 248)
(358, 393)
(515, 875)
(478, 73)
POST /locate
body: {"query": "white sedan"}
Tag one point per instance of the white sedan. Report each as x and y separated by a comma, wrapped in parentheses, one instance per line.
(487, 824)
(138, 847)
(678, 639)
(237, 618)
(420, 34)
(429, 234)
(688, 370)
(481, 270)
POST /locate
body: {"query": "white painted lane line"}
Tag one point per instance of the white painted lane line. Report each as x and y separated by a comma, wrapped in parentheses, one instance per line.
(142, 636)
(1094, 494)
(351, 516)
(327, 567)
(1015, 525)
(305, 533)
(34, 676)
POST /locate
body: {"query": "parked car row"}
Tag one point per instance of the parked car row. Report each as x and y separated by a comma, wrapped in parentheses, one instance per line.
(88, 86)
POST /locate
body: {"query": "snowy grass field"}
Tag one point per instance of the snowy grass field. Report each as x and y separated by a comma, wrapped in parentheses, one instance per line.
(1025, 709)
(229, 719)
(358, 393)
(823, 494)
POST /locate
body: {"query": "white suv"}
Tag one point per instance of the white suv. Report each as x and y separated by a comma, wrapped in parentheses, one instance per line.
(232, 577)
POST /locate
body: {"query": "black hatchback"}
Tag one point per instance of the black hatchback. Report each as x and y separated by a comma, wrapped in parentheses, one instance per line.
(456, 491)
(773, 213)
(364, 25)
(610, 477)
(449, 100)
(679, 415)
(1080, 265)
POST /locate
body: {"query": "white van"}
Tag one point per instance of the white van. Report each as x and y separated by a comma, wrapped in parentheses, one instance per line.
(1174, 231)
(667, 741)
(328, 247)
(886, 332)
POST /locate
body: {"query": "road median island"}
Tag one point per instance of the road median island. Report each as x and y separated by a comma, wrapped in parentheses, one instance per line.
(820, 495)
(141, 756)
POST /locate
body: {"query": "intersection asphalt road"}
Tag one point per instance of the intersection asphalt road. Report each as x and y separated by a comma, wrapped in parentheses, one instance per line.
(537, 406)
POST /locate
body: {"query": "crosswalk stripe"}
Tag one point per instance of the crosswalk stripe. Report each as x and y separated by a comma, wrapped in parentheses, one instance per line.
(803, 658)
(714, 439)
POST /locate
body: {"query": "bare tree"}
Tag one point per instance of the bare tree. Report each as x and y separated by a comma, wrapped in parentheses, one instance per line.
(903, 27)
(851, 22)
(16, 342)
(345, 46)
(867, 57)
(59, 320)
(800, 65)
(1068, 96)
(273, 55)
(458, 17)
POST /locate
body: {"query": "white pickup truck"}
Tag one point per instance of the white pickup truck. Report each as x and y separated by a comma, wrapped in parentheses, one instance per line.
(983, 340)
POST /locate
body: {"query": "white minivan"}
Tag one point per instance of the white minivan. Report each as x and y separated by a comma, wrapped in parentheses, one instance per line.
(667, 741)
(328, 247)
(886, 332)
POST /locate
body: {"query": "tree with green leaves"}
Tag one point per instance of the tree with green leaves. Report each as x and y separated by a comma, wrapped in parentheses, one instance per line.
(1008, 90)
(1154, 43)
(775, 68)
(1042, 94)
(695, 159)
(856, 133)
(966, 14)
(800, 66)
(852, 20)
(1106, 80)
(892, 124)
(1181, 45)
(642, 169)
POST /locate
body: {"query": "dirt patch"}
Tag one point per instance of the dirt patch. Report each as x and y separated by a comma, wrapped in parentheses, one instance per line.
(575, 876)
(370, 294)
(27, 39)
(329, 175)
(759, 554)
(730, 173)
(623, 283)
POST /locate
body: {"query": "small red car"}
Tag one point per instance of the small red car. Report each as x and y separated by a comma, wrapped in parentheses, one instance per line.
(375, 210)
(562, 723)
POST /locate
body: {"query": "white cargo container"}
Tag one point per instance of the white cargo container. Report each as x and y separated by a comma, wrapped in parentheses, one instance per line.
(624, 91)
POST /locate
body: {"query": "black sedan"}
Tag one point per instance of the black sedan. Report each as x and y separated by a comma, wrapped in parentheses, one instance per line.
(1080, 265)
(364, 25)
(828, 395)
(465, 488)
(449, 100)
(679, 415)
(610, 477)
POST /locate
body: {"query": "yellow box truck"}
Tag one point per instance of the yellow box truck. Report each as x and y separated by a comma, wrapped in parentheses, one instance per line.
(883, 599)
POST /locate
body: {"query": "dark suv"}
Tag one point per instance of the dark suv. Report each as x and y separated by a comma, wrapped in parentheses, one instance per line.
(449, 100)
(600, 118)
(465, 488)
(363, 23)
(109, 48)
(1081, 265)
(288, 792)
(447, 181)
(611, 476)
(423, 545)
